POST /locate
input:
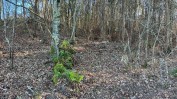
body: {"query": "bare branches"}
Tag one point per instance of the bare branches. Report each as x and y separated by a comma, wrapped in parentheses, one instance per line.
(25, 8)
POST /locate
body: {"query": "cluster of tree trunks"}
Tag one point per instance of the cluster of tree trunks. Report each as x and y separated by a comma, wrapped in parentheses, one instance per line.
(138, 24)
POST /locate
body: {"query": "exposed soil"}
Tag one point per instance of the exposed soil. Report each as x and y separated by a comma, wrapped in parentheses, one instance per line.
(105, 76)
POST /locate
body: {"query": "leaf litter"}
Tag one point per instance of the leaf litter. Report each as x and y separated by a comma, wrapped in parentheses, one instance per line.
(105, 76)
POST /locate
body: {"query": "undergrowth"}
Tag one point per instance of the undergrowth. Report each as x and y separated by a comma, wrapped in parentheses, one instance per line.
(174, 72)
(63, 64)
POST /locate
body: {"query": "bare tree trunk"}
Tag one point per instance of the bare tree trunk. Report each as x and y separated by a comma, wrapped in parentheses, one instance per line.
(72, 39)
(0, 8)
(147, 28)
(55, 27)
(123, 19)
(167, 23)
(12, 42)
(35, 17)
(9, 39)
(102, 19)
(24, 12)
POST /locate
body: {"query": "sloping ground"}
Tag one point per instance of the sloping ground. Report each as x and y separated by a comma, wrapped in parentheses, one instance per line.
(105, 76)
(114, 80)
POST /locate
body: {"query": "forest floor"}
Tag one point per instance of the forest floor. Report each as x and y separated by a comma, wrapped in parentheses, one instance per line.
(105, 76)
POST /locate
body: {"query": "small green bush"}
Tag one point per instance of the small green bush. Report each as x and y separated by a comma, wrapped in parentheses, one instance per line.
(59, 68)
(63, 64)
(74, 76)
(65, 58)
(65, 45)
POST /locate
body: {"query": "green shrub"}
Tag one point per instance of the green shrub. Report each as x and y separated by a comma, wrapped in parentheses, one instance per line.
(59, 68)
(174, 72)
(65, 45)
(64, 63)
(74, 76)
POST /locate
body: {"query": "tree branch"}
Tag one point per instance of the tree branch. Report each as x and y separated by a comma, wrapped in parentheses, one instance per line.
(25, 8)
